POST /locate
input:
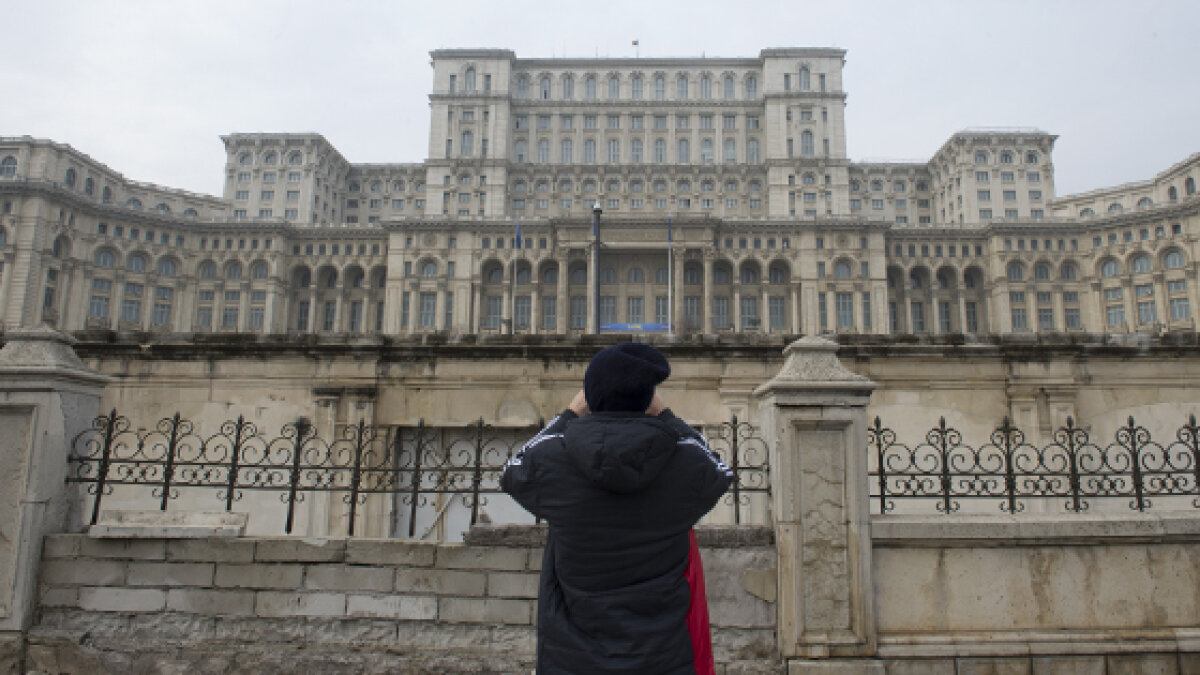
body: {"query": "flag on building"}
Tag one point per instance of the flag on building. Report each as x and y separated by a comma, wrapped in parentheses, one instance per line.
(635, 43)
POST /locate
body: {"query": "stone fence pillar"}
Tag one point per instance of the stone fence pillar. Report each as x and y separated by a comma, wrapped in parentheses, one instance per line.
(814, 419)
(47, 397)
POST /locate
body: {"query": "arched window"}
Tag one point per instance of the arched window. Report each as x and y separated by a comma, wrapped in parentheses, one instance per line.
(522, 87)
(1006, 158)
(89, 186)
(467, 146)
(1031, 157)
(1110, 268)
(1172, 194)
(1145, 203)
(429, 270)
(855, 186)
(295, 158)
(751, 88)
(376, 186)
(543, 153)
(1115, 208)
(524, 274)
(105, 258)
(876, 186)
(398, 186)
(245, 158)
(981, 157)
(106, 195)
(1189, 186)
(136, 263)
(233, 271)
(635, 87)
(692, 273)
(162, 208)
(778, 274)
(469, 80)
(636, 275)
(1173, 260)
(898, 186)
(133, 203)
(589, 87)
(579, 275)
(1069, 272)
(720, 274)
(1141, 264)
(805, 79)
(69, 179)
(208, 270)
(1041, 272)
(550, 275)
(568, 88)
(258, 270)
(544, 88)
(614, 87)
(270, 157)
(706, 151)
(1016, 272)
(495, 275)
(190, 213)
(841, 270)
(608, 275)
(356, 277)
(705, 87)
(566, 154)
(331, 280)
(304, 280)
(166, 267)
(8, 166)
(660, 88)
(1087, 212)
(683, 153)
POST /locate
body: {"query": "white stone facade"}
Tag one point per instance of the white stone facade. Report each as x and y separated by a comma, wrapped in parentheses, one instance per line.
(773, 228)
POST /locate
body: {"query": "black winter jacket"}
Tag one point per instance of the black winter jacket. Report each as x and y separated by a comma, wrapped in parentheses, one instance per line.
(620, 492)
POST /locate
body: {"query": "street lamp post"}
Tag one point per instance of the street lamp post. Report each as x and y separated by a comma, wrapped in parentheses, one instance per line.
(596, 211)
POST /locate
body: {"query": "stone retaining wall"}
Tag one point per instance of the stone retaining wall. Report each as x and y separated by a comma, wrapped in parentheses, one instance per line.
(339, 605)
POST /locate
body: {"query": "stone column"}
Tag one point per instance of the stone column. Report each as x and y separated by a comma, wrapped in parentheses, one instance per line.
(814, 419)
(47, 397)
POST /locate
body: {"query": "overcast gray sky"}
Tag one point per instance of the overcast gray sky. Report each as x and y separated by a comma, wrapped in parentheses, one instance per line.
(147, 87)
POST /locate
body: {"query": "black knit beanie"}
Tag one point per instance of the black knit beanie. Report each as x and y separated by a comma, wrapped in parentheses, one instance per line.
(621, 378)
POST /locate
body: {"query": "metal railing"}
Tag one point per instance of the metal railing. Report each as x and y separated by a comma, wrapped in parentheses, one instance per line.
(418, 466)
(1009, 472)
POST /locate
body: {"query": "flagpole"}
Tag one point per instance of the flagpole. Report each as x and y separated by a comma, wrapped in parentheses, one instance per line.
(512, 326)
(670, 281)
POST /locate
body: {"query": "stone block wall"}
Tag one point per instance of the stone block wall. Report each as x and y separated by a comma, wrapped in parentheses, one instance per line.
(340, 605)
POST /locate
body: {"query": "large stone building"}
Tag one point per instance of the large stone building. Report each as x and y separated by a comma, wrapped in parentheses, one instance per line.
(728, 200)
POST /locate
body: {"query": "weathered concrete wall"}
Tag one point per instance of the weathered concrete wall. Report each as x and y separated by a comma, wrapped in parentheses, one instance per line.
(342, 605)
(966, 588)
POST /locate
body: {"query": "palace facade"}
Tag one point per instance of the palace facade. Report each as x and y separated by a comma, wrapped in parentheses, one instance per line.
(725, 202)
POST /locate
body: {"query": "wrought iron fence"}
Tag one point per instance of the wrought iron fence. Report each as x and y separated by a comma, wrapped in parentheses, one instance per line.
(418, 466)
(1010, 471)
(742, 443)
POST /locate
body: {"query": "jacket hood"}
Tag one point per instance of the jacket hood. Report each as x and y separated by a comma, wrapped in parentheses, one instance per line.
(620, 452)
